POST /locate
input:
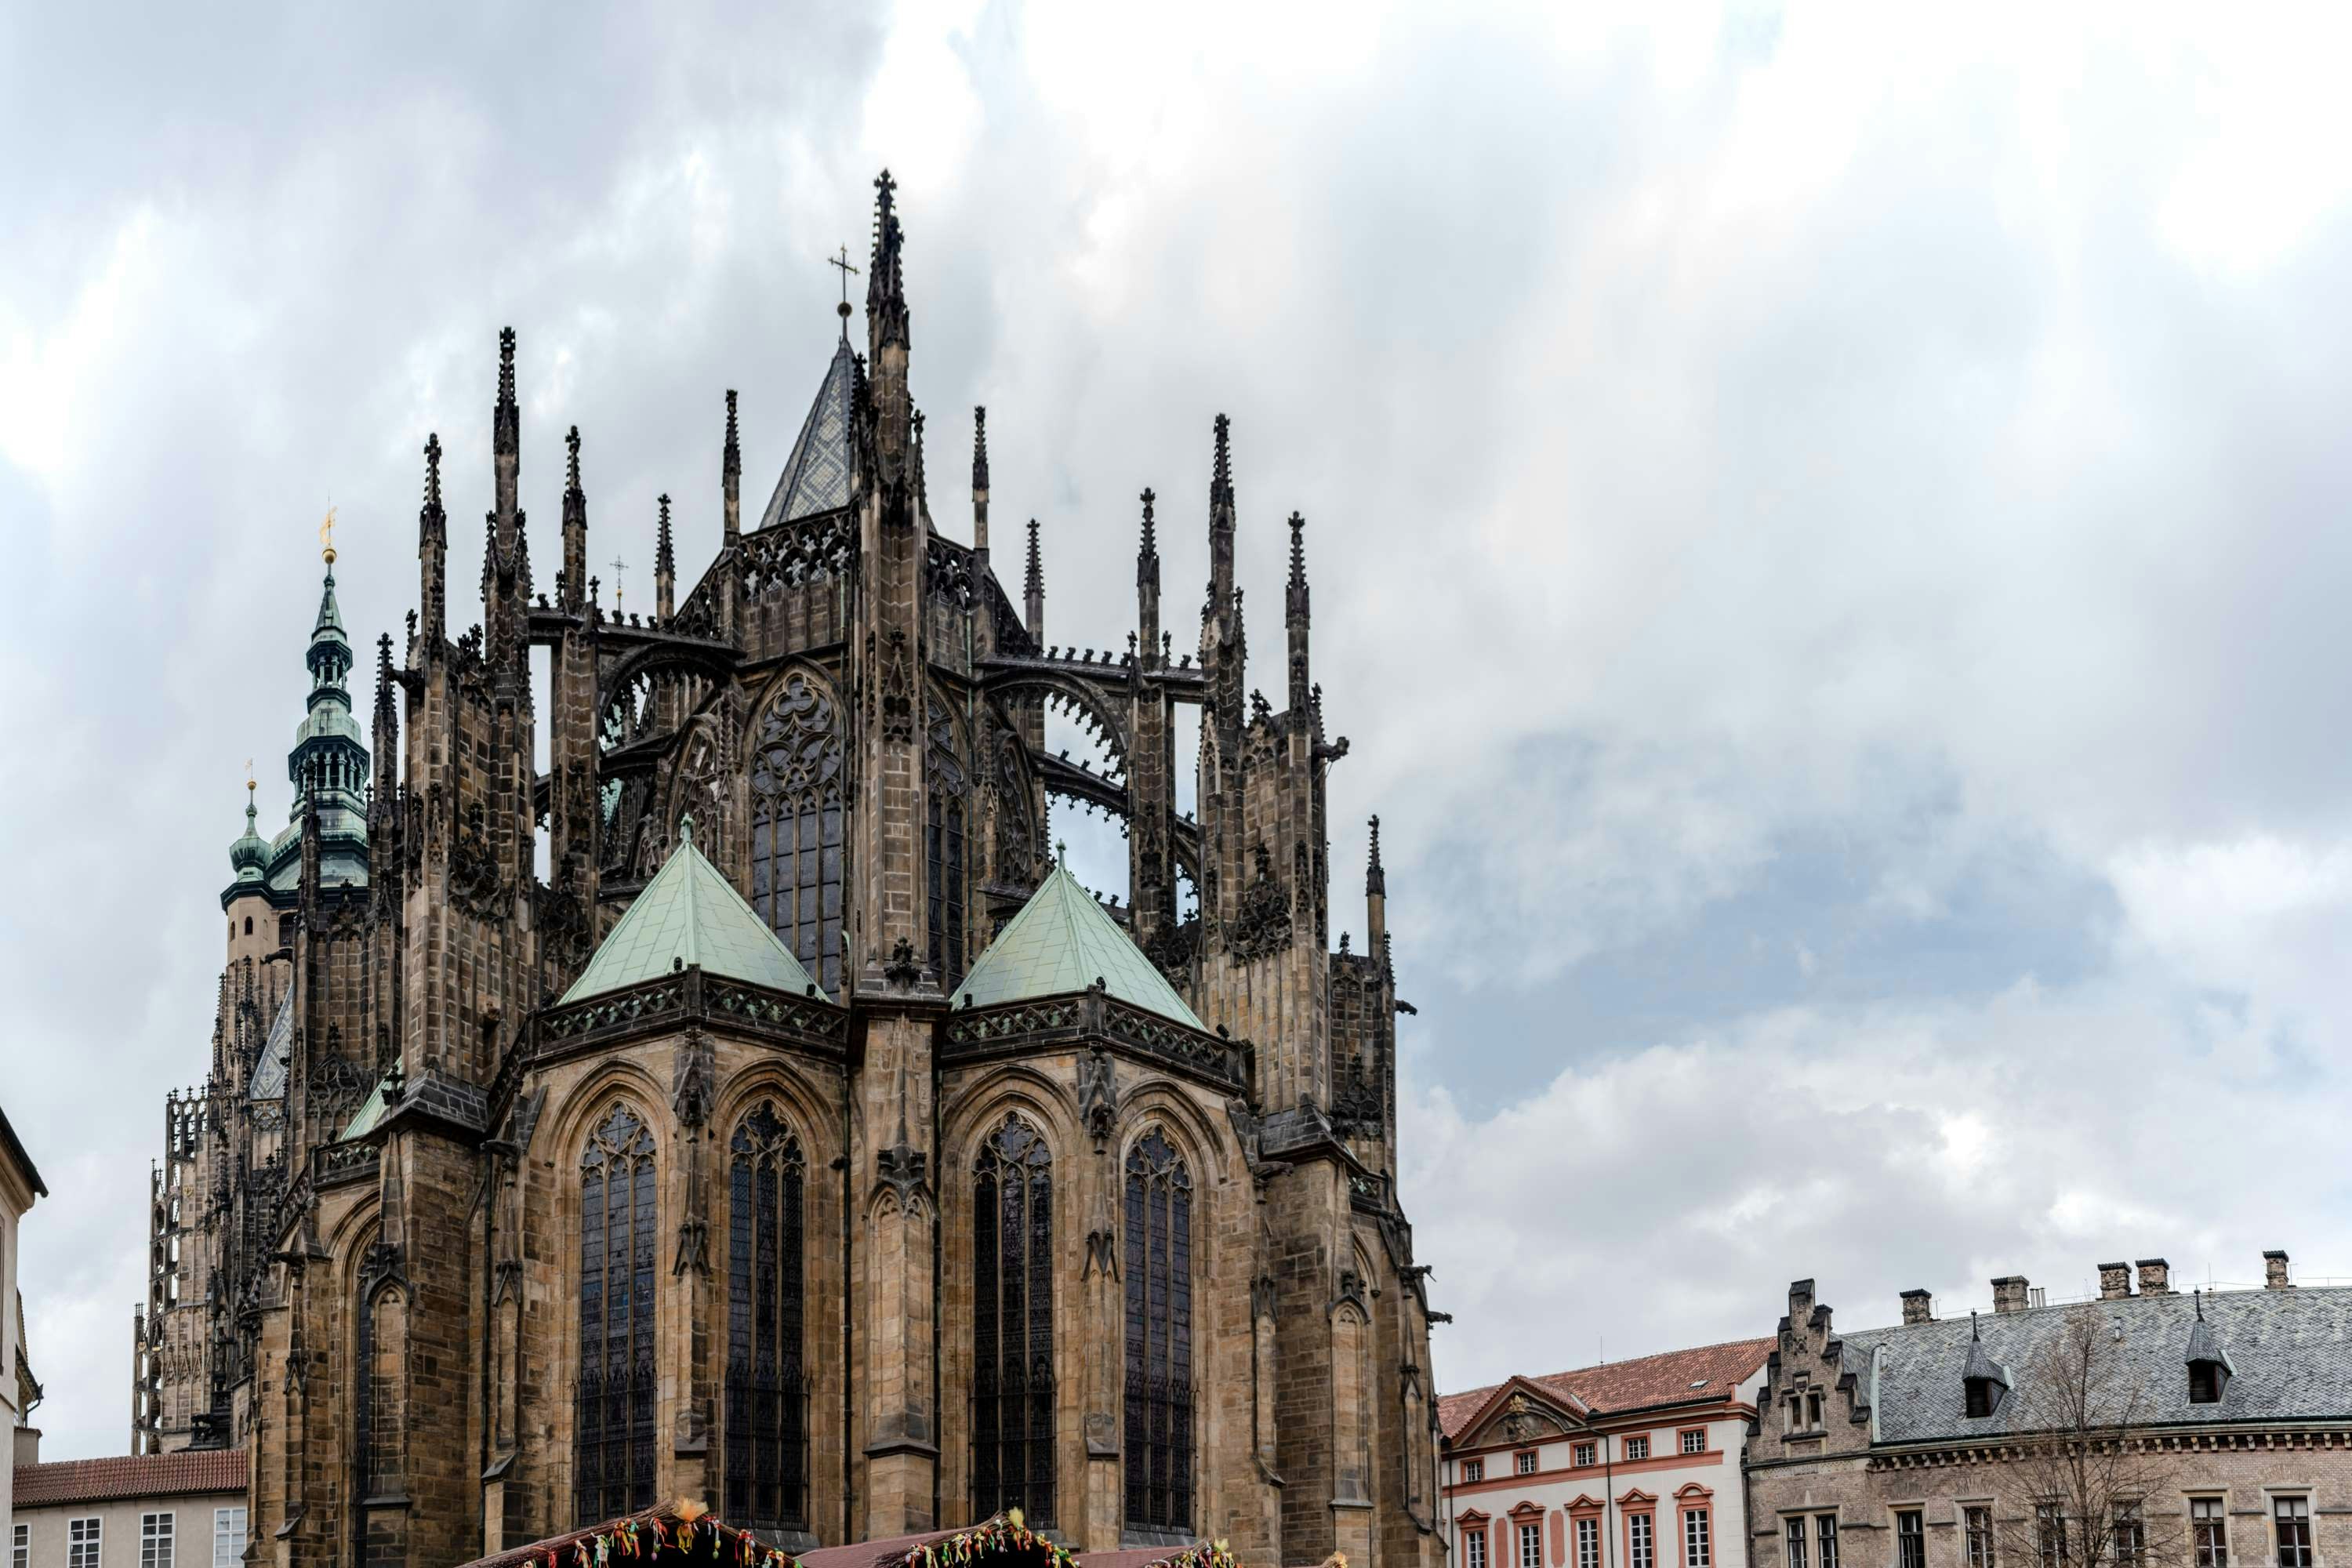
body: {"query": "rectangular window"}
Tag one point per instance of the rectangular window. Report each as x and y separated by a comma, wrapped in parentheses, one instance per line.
(1698, 1549)
(1586, 1454)
(1825, 1537)
(20, 1546)
(1637, 1448)
(1474, 1469)
(228, 1537)
(1531, 1546)
(2209, 1528)
(2293, 1516)
(81, 1543)
(1813, 1410)
(2130, 1536)
(2050, 1533)
(1910, 1539)
(1796, 1543)
(1474, 1548)
(1979, 1524)
(1588, 1543)
(1695, 1440)
(154, 1540)
(1526, 1463)
(1641, 1547)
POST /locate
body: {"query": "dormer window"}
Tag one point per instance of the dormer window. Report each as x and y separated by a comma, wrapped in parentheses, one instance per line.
(1984, 1382)
(2209, 1364)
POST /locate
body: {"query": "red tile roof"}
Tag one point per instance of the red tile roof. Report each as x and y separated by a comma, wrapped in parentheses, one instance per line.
(1622, 1385)
(130, 1476)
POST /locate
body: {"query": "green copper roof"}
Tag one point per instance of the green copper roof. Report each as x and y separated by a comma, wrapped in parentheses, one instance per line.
(1062, 941)
(690, 914)
(370, 1113)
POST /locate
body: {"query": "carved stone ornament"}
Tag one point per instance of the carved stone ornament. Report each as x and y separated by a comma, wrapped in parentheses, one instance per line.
(897, 691)
(901, 1169)
(1102, 1250)
(692, 1079)
(1097, 1094)
(1261, 924)
(903, 971)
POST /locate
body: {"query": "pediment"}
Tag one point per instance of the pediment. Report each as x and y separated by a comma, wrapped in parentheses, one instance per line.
(1521, 1412)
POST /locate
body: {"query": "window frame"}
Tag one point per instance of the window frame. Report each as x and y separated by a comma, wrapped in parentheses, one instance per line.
(1474, 1470)
(1530, 1535)
(1642, 1536)
(1685, 1438)
(1586, 1540)
(1910, 1538)
(20, 1545)
(230, 1524)
(1584, 1456)
(2209, 1530)
(1160, 1465)
(1525, 1462)
(157, 1541)
(2291, 1510)
(1635, 1448)
(85, 1542)
(1697, 1521)
(1473, 1547)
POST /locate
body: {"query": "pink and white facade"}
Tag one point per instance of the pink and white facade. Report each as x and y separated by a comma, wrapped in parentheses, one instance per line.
(1633, 1464)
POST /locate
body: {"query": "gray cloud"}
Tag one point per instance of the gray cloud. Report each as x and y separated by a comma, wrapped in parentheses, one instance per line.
(1824, 527)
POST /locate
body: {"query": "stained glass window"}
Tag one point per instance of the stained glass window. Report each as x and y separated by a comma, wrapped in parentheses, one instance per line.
(613, 1441)
(797, 828)
(767, 1392)
(944, 851)
(1012, 1324)
(1159, 1278)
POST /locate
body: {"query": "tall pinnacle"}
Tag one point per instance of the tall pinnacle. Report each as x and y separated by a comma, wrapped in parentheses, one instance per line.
(1295, 602)
(1376, 877)
(572, 473)
(979, 479)
(432, 477)
(1220, 473)
(1034, 585)
(885, 284)
(1150, 535)
(730, 478)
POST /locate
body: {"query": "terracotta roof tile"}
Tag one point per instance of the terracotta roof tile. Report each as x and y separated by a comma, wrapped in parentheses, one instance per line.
(1625, 1386)
(130, 1476)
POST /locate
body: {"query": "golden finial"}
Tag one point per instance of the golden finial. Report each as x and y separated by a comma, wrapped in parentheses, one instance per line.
(327, 537)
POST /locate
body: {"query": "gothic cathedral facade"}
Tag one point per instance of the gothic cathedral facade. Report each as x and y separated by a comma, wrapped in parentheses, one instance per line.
(749, 1107)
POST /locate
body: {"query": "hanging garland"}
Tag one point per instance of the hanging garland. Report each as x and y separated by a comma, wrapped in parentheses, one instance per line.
(1005, 1533)
(647, 1536)
(1207, 1554)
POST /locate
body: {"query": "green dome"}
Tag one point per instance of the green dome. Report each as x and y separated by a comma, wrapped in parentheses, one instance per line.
(249, 854)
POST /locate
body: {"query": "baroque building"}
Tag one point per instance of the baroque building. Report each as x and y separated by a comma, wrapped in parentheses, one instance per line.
(749, 1106)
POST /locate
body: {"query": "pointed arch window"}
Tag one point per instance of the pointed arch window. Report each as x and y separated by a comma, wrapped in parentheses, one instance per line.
(613, 1433)
(1159, 1336)
(944, 850)
(796, 827)
(767, 1391)
(1012, 1324)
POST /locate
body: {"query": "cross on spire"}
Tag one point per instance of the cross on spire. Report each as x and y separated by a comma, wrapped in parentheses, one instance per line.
(619, 566)
(849, 271)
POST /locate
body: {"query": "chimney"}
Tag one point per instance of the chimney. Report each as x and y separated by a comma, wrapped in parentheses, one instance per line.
(29, 1446)
(2155, 1277)
(1918, 1306)
(2275, 1271)
(2115, 1282)
(2009, 1294)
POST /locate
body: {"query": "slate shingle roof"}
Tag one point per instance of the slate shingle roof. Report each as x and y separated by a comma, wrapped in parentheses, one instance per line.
(269, 1072)
(2291, 1350)
(130, 1476)
(816, 476)
(1614, 1388)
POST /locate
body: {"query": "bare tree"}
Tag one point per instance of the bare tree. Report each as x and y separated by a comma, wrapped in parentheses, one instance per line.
(2088, 1488)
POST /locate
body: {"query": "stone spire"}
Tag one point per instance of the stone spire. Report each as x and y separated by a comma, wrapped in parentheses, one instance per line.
(1376, 896)
(1294, 617)
(886, 283)
(433, 551)
(1032, 587)
(665, 566)
(572, 590)
(731, 475)
(1147, 590)
(979, 479)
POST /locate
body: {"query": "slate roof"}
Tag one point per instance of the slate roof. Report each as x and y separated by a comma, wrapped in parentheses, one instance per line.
(689, 914)
(816, 476)
(17, 1153)
(2291, 1352)
(130, 1476)
(269, 1072)
(1615, 1387)
(1061, 941)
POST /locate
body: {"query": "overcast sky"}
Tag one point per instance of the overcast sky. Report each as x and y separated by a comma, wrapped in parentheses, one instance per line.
(1828, 532)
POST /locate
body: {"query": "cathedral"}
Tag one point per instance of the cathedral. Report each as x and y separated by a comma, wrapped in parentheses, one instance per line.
(750, 1107)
